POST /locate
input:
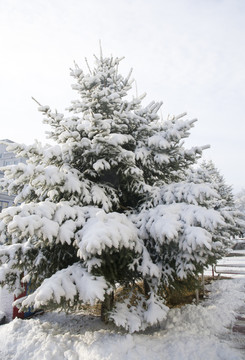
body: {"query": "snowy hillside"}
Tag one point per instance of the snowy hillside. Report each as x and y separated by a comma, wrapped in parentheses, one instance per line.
(193, 332)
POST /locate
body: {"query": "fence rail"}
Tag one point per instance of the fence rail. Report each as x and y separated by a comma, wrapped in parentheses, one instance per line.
(232, 269)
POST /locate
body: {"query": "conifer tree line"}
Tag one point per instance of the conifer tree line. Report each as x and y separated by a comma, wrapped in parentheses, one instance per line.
(116, 204)
(240, 203)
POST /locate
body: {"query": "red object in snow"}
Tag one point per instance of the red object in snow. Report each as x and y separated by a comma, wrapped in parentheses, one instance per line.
(16, 312)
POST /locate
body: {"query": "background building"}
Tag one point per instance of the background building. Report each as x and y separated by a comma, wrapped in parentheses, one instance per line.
(7, 158)
(6, 298)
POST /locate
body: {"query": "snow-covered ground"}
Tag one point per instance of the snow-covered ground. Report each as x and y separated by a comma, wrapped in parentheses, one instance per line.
(193, 332)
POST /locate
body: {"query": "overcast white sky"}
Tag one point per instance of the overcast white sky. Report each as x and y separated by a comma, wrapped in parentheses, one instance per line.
(188, 53)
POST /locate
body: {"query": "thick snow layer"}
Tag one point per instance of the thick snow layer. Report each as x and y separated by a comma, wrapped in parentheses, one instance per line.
(67, 283)
(192, 332)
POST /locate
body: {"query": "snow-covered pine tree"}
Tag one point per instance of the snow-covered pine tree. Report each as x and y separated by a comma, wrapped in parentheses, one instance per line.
(212, 175)
(240, 200)
(208, 173)
(104, 208)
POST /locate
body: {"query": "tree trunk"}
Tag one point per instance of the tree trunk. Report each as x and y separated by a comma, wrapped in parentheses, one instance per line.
(146, 287)
(107, 306)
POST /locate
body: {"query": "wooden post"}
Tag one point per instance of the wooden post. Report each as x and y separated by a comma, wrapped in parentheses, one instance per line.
(197, 296)
(203, 283)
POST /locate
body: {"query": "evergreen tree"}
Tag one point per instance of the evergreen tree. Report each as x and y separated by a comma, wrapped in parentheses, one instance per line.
(240, 200)
(208, 173)
(240, 206)
(106, 206)
(212, 175)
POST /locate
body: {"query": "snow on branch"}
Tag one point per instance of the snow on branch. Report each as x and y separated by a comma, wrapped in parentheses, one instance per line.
(187, 192)
(143, 313)
(46, 220)
(67, 284)
(165, 223)
(103, 231)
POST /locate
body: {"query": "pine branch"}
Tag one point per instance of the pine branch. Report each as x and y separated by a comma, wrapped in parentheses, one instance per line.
(36, 101)
(86, 60)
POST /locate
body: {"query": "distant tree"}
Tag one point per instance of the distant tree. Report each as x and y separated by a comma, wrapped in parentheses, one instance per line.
(107, 207)
(213, 176)
(240, 205)
(240, 200)
(208, 173)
